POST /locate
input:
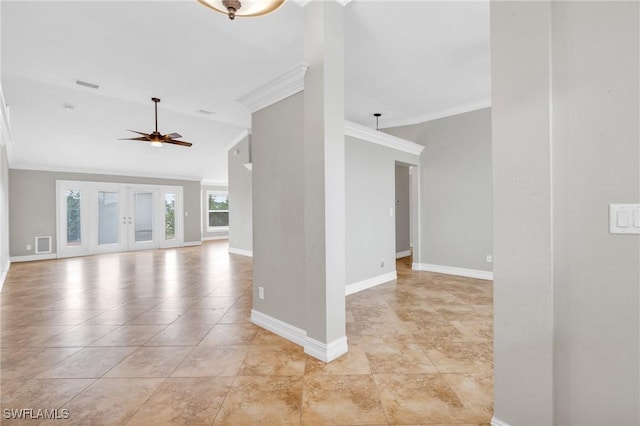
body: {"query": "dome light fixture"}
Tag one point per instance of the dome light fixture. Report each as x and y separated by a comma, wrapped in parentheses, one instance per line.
(246, 8)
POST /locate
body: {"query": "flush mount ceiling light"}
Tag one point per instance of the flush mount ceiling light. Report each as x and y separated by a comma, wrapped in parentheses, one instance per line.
(246, 8)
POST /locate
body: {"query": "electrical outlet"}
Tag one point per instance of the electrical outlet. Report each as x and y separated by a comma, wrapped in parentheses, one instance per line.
(489, 258)
(28, 246)
(261, 293)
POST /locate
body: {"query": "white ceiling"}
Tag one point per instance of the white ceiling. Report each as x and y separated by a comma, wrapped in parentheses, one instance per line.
(409, 60)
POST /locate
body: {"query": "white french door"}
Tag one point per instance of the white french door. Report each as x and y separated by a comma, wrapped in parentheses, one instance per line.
(95, 217)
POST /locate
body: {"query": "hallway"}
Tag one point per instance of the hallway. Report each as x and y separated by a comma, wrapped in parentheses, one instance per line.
(164, 337)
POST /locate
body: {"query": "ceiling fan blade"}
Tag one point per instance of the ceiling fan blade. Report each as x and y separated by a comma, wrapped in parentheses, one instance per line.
(135, 139)
(173, 136)
(140, 133)
(181, 143)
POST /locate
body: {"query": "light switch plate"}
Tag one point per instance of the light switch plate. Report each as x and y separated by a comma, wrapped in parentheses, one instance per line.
(624, 218)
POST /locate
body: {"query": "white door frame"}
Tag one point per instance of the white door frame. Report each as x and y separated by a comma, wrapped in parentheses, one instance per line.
(126, 218)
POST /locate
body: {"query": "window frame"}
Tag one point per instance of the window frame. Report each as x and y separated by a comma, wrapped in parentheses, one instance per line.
(216, 228)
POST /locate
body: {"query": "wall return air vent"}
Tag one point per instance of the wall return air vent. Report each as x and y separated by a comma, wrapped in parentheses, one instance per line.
(43, 245)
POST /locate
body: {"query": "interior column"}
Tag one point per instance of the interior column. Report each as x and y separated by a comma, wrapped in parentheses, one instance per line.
(324, 180)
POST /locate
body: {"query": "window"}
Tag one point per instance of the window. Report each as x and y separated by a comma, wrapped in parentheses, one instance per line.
(218, 210)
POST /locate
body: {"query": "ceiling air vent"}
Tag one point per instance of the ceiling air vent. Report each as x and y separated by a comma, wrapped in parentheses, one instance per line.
(85, 84)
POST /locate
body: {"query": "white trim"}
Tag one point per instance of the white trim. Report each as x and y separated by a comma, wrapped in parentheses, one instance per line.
(452, 270)
(402, 254)
(191, 243)
(326, 352)
(241, 252)
(217, 237)
(243, 134)
(283, 86)
(415, 266)
(486, 103)
(497, 422)
(281, 328)
(370, 282)
(4, 274)
(381, 138)
(33, 257)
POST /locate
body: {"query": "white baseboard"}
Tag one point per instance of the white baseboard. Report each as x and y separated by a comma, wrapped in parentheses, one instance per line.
(281, 328)
(402, 254)
(452, 270)
(497, 422)
(217, 237)
(326, 352)
(192, 243)
(241, 252)
(33, 257)
(370, 282)
(3, 276)
(318, 350)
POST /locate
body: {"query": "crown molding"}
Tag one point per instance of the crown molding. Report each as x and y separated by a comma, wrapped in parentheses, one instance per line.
(365, 133)
(283, 86)
(243, 134)
(474, 106)
(303, 3)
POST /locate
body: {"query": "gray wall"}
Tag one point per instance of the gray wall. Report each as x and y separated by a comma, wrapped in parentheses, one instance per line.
(565, 119)
(455, 188)
(523, 299)
(278, 210)
(403, 208)
(205, 211)
(370, 195)
(32, 204)
(241, 203)
(596, 161)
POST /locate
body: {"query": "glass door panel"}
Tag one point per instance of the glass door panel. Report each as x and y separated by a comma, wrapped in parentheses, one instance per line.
(143, 218)
(73, 213)
(108, 218)
(169, 216)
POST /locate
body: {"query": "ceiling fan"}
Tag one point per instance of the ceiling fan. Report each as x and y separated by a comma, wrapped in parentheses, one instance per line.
(155, 137)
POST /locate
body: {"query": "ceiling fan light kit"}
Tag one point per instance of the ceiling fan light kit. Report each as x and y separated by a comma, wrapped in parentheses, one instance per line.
(244, 8)
(156, 138)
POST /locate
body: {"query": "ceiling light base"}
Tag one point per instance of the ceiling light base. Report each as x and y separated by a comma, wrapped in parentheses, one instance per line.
(232, 7)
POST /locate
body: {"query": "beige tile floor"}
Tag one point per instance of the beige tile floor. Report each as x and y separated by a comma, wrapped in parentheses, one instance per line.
(163, 337)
